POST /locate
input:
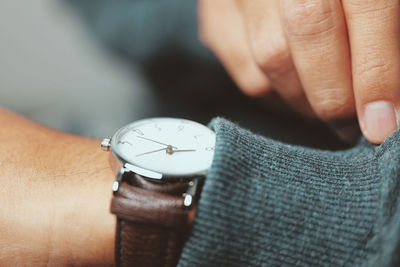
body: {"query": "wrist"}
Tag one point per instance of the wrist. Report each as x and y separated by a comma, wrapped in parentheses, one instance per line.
(55, 197)
(83, 228)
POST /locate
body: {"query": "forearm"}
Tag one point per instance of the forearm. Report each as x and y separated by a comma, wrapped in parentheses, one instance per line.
(54, 196)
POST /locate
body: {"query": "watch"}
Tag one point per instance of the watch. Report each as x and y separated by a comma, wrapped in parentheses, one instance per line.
(160, 165)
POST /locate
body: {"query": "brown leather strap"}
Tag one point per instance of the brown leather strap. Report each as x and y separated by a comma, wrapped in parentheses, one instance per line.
(151, 225)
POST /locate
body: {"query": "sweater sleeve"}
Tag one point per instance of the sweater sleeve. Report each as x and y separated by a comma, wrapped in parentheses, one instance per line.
(266, 203)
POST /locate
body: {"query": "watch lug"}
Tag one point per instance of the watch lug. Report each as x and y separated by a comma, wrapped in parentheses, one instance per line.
(131, 168)
(118, 180)
(190, 193)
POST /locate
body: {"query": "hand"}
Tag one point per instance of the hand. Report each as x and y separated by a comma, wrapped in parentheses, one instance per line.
(331, 59)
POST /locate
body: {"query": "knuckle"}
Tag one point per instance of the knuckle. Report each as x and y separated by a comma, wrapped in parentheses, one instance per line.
(371, 67)
(357, 7)
(273, 57)
(332, 105)
(309, 18)
(373, 75)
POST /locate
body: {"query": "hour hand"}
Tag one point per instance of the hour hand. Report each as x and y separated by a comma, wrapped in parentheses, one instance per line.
(138, 155)
(169, 150)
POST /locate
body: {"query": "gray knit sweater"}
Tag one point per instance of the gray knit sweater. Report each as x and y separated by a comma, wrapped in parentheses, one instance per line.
(266, 203)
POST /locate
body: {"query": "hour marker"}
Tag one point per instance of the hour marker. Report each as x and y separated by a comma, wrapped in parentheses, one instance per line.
(124, 142)
(211, 148)
(137, 131)
(197, 136)
(157, 127)
(180, 128)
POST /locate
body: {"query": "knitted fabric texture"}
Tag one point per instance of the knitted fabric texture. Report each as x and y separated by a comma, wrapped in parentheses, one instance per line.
(266, 203)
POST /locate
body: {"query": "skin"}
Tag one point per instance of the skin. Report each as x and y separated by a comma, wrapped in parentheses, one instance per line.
(55, 197)
(336, 61)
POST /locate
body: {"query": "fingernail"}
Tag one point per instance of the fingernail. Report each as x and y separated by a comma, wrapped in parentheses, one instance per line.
(379, 121)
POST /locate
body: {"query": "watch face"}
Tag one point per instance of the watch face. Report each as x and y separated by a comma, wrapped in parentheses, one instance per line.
(172, 147)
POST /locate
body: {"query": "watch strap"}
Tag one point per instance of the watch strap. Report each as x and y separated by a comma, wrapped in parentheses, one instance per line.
(152, 223)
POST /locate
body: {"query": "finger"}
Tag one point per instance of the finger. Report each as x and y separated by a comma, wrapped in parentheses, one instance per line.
(225, 36)
(374, 28)
(269, 49)
(317, 37)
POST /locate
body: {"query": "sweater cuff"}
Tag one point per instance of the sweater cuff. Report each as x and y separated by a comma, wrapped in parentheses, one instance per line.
(266, 202)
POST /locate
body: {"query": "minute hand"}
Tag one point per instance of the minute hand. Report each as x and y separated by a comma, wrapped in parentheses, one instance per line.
(172, 151)
(148, 139)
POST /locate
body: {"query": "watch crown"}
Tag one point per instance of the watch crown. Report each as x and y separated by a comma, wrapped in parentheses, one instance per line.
(106, 144)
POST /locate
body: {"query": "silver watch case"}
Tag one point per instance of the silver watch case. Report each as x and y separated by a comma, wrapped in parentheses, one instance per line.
(119, 167)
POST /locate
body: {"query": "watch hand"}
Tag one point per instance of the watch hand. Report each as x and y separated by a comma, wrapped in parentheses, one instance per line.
(152, 151)
(168, 149)
(172, 151)
(148, 139)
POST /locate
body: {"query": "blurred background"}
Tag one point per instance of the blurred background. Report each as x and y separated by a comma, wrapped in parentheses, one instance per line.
(53, 71)
(92, 66)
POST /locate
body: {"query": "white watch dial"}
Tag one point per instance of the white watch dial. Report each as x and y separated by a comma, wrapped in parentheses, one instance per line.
(172, 147)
